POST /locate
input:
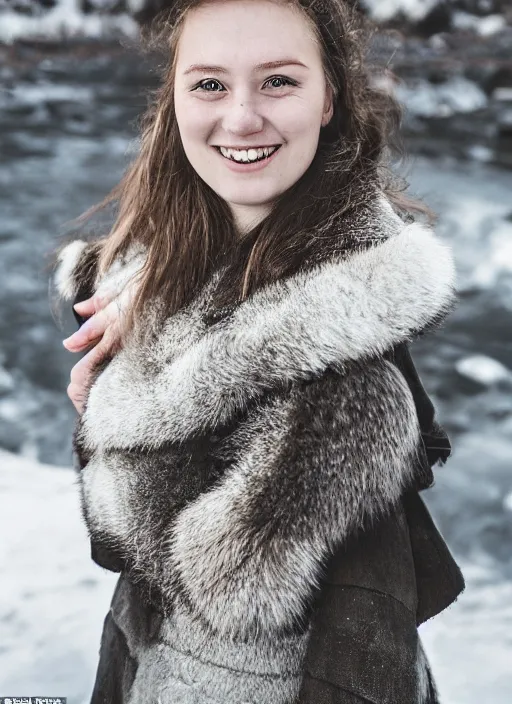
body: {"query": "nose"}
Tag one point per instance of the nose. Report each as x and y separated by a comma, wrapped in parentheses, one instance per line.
(242, 117)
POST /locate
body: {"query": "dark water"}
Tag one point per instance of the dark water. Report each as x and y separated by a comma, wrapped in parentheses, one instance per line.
(65, 129)
(67, 125)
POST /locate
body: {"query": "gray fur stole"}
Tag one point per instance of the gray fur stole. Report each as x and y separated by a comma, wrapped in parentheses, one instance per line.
(225, 463)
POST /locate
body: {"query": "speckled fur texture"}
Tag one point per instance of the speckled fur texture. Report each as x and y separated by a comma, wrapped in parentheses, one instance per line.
(225, 463)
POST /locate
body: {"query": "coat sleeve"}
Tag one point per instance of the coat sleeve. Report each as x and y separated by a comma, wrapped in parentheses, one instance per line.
(103, 556)
(316, 466)
(435, 439)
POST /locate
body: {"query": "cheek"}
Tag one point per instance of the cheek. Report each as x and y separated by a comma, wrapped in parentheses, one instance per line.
(194, 121)
(299, 121)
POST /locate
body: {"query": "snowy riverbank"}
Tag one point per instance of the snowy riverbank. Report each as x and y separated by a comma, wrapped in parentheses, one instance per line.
(67, 116)
(54, 599)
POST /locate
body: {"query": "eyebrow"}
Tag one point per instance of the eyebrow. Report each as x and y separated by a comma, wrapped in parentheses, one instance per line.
(204, 68)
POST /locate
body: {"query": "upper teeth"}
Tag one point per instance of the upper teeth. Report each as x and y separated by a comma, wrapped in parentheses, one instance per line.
(246, 154)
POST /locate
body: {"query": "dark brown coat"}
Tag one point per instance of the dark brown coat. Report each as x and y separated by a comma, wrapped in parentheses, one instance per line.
(377, 590)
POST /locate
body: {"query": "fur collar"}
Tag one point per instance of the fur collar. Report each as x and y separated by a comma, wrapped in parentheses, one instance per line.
(322, 431)
(352, 305)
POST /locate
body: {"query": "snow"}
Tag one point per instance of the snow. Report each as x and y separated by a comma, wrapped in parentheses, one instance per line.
(484, 26)
(417, 10)
(456, 95)
(65, 19)
(483, 369)
(383, 10)
(502, 94)
(53, 600)
(25, 94)
(498, 259)
(479, 152)
(469, 645)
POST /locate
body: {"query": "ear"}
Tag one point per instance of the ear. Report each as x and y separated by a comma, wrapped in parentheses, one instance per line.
(328, 105)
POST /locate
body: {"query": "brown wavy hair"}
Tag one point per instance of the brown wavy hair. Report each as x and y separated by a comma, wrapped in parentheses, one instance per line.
(188, 229)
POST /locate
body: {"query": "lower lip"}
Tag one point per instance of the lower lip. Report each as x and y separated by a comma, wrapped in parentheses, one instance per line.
(241, 167)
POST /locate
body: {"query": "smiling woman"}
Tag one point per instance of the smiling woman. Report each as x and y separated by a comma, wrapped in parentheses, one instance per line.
(242, 104)
(253, 436)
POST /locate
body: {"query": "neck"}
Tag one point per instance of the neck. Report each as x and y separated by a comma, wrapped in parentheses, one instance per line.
(248, 216)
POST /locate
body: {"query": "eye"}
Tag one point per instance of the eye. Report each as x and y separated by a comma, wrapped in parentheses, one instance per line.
(203, 85)
(207, 83)
(283, 79)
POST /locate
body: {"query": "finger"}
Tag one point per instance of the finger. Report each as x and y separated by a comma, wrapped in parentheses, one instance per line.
(95, 303)
(85, 308)
(95, 327)
(82, 369)
(89, 332)
(79, 345)
(75, 394)
(81, 372)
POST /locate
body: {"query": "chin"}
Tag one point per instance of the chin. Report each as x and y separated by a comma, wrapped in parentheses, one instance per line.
(251, 203)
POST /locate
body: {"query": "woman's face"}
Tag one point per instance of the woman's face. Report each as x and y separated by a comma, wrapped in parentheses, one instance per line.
(249, 78)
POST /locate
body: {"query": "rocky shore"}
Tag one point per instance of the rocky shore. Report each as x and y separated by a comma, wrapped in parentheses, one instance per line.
(456, 88)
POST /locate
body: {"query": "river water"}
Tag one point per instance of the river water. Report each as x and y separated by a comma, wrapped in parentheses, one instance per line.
(67, 125)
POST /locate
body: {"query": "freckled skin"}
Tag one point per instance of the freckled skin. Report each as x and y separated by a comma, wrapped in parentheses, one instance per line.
(247, 106)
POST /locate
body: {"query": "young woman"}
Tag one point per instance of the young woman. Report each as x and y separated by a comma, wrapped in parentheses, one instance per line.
(252, 435)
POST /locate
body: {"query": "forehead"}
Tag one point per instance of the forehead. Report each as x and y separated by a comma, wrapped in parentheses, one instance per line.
(244, 33)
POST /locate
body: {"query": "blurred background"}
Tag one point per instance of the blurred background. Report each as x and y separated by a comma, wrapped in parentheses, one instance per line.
(71, 89)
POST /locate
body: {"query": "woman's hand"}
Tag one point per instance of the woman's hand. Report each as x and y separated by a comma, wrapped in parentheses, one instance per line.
(100, 333)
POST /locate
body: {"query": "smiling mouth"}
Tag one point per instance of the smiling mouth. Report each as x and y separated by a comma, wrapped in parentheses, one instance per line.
(248, 156)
